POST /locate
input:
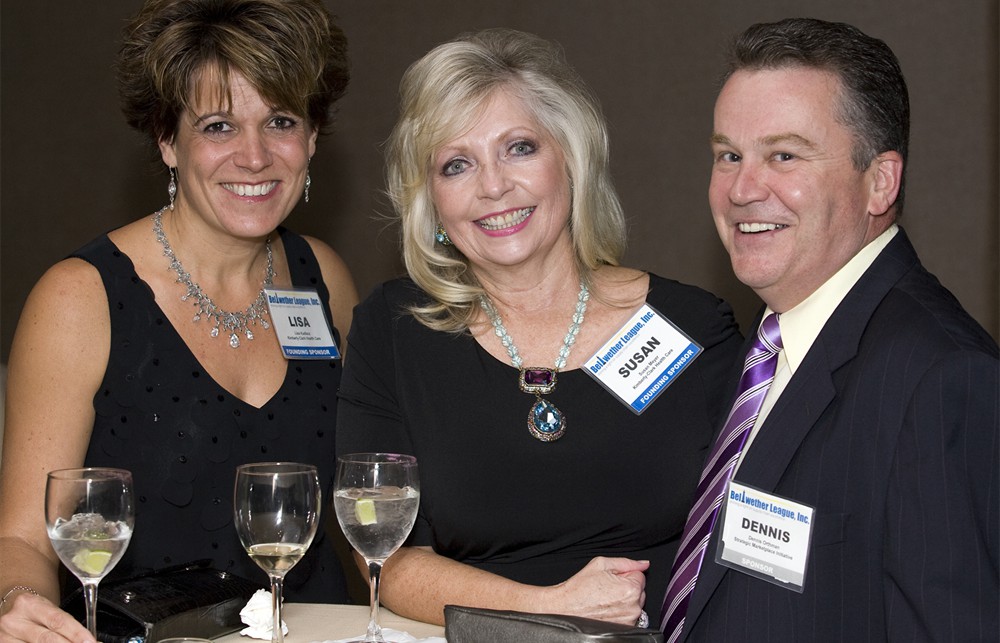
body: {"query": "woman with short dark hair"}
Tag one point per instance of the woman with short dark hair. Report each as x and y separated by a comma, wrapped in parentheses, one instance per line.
(153, 347)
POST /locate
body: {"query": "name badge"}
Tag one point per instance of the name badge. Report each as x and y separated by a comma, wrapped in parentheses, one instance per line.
(301, 324)
(642, 359)
(764, 535)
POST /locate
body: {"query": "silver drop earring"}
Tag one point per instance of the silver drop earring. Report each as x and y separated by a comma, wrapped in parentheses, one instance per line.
(308, 183)
(172, 187)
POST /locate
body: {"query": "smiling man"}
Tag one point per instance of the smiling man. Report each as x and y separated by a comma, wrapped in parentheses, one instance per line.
(864, 426)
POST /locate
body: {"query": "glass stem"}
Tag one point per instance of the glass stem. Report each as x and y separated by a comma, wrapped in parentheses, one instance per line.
(375, 577)
(90, 601)
(277, 633)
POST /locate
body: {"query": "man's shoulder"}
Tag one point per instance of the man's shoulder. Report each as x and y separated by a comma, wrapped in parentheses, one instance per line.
(923, 311)
(898, 303)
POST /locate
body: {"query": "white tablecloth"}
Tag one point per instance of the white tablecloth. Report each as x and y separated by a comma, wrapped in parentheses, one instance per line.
(308, 622)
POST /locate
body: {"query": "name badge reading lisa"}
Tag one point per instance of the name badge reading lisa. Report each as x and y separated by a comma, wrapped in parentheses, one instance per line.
(300, 323)
(765, 536)
(642, 359)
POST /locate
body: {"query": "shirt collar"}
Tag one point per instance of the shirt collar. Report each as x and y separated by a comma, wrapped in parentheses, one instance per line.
(801, 325)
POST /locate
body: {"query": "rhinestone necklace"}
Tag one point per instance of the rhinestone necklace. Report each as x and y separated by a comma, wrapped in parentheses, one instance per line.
(545, 421)
(232, 323)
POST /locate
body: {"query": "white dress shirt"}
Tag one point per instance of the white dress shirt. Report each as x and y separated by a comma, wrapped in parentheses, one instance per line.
(802, 324)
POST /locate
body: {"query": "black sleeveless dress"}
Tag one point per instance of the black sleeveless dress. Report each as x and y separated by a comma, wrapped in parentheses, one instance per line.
(160, 415)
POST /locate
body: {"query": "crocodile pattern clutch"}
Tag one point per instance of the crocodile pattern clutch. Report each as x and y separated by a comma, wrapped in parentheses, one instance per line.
(191, 600)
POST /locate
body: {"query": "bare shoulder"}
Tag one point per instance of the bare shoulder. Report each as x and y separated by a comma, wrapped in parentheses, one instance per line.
(335, 270)
(66, 316)
(57, 361)
(339, 282)
(72, 289)
(326, 255)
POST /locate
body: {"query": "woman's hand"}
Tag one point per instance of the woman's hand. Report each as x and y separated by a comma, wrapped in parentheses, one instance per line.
(608, 589)
(35, 618)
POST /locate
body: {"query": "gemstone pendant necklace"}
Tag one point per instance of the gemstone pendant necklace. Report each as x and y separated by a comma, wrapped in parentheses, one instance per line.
(545, 421)
(232, 323)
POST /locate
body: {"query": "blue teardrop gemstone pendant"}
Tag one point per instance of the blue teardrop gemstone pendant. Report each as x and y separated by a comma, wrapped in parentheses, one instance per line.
(545, 421)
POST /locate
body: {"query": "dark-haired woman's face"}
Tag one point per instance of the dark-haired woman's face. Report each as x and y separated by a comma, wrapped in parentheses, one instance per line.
(240, 168)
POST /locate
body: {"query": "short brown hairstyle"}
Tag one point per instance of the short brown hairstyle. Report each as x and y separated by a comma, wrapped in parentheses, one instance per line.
(291, 51)
(875, 103)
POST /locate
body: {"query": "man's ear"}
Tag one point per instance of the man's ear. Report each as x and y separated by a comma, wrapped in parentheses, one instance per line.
(888, 174)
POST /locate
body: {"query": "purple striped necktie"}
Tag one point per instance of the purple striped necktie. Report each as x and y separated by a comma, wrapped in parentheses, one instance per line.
(758, 373)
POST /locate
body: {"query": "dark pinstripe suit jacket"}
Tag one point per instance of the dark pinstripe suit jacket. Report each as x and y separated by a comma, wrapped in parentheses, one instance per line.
(889, 428)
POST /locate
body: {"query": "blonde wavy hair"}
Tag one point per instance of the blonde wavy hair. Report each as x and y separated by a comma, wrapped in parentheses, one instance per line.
(441, 96)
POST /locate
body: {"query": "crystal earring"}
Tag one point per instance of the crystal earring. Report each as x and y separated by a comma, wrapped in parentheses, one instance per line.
(441, 236)
(309, 182)
(172, 187)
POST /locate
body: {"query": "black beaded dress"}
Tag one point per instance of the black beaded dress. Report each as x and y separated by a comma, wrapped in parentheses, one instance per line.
(162, 416)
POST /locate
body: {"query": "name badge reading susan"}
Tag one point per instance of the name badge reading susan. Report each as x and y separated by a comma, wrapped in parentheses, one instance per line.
(301, 325)
(642, 359)
(765, 536)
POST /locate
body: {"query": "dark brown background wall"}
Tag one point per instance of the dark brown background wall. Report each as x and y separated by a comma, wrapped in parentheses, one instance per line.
(71, 169)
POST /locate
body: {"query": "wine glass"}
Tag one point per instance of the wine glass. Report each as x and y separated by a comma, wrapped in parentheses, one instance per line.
(376, 496)
(276, 508)
(89, 515)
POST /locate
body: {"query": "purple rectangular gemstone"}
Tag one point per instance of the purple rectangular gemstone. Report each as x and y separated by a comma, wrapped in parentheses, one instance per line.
(538, 377)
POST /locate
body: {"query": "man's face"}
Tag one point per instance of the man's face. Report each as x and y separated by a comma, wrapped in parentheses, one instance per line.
(788, 203)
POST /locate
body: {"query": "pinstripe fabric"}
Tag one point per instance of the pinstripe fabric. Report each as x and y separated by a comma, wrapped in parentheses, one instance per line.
(889, 428)
(758, 373)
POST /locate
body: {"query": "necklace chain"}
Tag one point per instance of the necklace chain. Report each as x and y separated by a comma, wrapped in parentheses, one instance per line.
(508, 342)
(234, 323)
(545, 422)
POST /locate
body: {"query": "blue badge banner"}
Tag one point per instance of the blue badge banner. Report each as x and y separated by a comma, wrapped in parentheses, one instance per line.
(642, 359)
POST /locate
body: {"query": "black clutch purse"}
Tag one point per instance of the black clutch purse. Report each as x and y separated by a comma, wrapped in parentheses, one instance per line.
(187, 600)
(475, 625)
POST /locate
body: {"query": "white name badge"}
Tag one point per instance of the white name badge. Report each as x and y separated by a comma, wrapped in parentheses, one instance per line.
(764, 535)
(642, 359)
(301, 325)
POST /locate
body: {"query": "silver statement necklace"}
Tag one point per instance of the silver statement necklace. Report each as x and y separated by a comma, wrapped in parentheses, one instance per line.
(545, 421)
(233, 323)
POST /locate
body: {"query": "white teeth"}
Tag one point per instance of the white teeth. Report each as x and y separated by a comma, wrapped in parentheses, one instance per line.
(759, 227)
(258, 189)
(501, 221)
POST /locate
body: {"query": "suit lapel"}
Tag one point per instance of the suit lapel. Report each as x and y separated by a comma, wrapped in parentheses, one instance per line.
(810, 390)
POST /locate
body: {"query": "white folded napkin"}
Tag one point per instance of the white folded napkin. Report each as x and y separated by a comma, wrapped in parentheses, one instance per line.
(257, 616)
(392, 636)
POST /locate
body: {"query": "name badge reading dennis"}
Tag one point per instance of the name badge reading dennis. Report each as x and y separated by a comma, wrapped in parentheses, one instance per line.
(301, 324)
(642, 359)
(765, 536)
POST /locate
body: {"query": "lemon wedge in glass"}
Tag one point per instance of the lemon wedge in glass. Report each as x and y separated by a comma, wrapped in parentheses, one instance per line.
(364, 511)
(91, 561)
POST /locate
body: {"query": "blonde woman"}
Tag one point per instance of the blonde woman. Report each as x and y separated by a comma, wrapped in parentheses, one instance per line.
(560, 499)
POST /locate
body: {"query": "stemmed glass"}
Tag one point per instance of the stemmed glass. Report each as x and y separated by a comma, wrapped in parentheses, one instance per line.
(276, 507)
(89, 515)
(376, 496)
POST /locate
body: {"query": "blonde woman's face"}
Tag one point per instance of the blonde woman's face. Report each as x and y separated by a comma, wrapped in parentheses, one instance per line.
(501, 189)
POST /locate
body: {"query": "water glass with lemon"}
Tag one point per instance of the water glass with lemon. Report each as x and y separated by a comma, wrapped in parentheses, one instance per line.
(89, 515)
(376, 496)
